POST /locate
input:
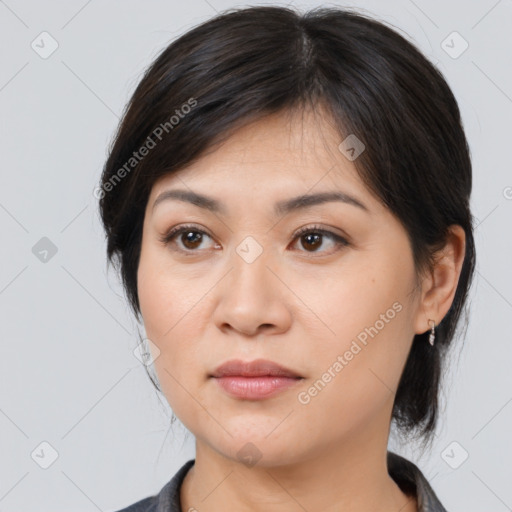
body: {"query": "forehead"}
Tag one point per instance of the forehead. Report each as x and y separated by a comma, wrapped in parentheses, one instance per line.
(278, 152)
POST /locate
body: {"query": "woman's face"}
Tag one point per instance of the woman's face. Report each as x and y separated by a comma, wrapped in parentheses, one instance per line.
(240, 284)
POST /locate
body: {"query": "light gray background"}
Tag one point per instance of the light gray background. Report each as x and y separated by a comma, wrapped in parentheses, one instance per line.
(68, 373)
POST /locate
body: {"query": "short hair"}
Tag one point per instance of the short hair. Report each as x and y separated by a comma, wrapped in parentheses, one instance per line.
(247, 63)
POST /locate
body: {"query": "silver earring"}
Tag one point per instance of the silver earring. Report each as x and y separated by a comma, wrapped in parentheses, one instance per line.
(432, 335)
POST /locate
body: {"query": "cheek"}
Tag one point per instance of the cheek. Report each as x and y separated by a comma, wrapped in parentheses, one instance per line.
(157, 306)
(366, 319)
(165, 294)
(170, 306)
(345, 302)
(357, 374)
(161, 311)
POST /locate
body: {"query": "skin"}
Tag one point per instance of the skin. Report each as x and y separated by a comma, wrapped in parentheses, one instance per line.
(298, 304)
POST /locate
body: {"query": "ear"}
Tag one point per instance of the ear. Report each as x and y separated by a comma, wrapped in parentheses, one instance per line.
(439, 287)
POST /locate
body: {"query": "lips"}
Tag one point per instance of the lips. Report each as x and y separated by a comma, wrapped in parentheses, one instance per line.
(256, 368)
(254, 380)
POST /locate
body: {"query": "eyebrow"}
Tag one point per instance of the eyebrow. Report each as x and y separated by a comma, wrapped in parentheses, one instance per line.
(280, 208)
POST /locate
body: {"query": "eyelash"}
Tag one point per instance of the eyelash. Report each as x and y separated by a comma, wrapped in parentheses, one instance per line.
(174, 232)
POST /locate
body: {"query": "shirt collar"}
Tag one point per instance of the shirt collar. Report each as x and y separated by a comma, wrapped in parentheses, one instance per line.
(412, 481)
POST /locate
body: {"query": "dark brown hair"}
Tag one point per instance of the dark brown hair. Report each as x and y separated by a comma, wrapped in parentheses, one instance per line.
(247, 63)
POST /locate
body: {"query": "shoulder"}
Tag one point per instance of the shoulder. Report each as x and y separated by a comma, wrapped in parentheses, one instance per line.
(412, 482)
(167, 499)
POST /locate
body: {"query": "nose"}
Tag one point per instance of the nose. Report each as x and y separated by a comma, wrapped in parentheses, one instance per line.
(252, 299)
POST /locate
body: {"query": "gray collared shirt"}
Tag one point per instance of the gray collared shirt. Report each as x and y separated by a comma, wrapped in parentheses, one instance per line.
(405, 473)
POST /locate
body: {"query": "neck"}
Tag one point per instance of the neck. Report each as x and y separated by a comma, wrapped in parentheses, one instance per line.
(351, 477)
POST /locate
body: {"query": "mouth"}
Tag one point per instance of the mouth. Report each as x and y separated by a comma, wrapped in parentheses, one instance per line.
(254, 380)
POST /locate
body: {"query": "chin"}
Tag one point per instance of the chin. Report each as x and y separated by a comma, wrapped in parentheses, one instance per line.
(259, 450)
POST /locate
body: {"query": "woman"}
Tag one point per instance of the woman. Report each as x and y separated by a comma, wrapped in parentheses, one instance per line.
(287, 202)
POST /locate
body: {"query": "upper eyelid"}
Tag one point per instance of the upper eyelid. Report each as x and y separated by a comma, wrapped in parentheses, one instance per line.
(316, 228)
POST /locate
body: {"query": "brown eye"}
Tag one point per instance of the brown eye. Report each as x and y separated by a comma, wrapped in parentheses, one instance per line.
(312, 239)
(191, 242)
(185, 239)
